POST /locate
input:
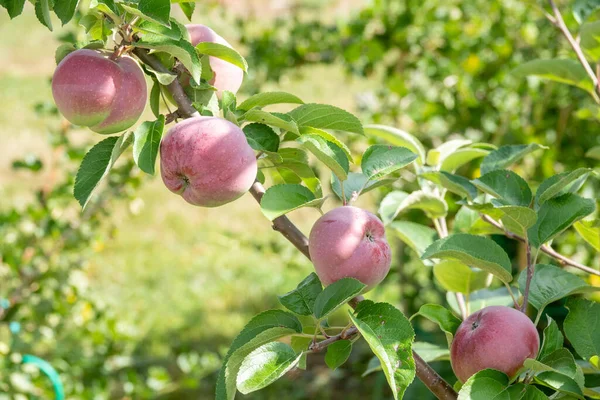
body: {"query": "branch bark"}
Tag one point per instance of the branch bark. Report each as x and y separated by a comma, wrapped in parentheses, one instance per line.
(565, 261)
(283, 225)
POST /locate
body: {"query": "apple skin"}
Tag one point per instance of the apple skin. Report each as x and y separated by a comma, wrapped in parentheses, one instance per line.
(207, 160)
(495, 337)
(349, 242)
(90, 89)
(226, 75)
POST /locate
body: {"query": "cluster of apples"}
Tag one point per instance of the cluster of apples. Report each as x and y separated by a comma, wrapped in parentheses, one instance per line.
(207, 160)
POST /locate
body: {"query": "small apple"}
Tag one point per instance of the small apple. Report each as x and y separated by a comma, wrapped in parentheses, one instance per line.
(90, 89)
(349, 242)
(208, 161)
(495, 337)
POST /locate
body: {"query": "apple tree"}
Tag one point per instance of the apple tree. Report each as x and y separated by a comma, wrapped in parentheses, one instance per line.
(214, 148)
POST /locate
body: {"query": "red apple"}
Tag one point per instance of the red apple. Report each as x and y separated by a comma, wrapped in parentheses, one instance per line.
(495, 337)
(348, 242)
(207, 160)
(226, 75)
(92, 90)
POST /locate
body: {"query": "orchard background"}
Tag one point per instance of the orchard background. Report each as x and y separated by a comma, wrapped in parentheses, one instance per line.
(140, 294)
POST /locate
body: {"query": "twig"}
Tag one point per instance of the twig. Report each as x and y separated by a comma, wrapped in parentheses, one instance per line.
(344, 335)
(283, 225)
(559, 22)
(544, 248)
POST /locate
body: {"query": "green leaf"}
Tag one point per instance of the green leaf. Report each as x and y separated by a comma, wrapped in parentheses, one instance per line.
(326, 117)
(147, 143)
(552, 339)
(328, 153)
(533, 393)
(556, 215)
(475, 251)
(584, 8)
(188, 9)
(97, 163)
(398, 137)
(307, 130)
(590, 232)
(356, 184)
(438, 155)
(447, 321)
(594, 152)
(484, 298)
(505, 156)
(181, 49)
(294, 169)
(390, 336)
(65, 9)
(418, 237)
(42, 12)
(282, 199)
(455, 276)
(265, 365)
(398, 201)
(566, 182)
(589, 35)
(582, 327)
(430, 352)
(484, 385)
(13, 7)
(302, 299)
(256, 115)
(261, 137)
(336, 295)
(558, 70)
(549, 284)
(337, 353)
(268, 98)
(380, 160)
(301, 344)
(559, 382)
(562, 361)
(62, 51)
(155, 98)
(223, 52)
(152, 27)
(517, 219)
(456, 184)
(506, 186)
(263, 328)
(461, 157)
(156, 10)
(467, 220)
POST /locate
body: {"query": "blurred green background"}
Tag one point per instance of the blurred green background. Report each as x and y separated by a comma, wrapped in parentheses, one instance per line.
(140, 296)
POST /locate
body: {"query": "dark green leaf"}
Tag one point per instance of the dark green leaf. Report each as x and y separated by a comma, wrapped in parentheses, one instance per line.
(582, 327)
(380, 160)
(42, 12)
(505, 156)
(181, 49)
(552, 340)
(566, 182)
(282, 199)
(13, 7)
(265, 365)
(267, 98)
(302, 299)
(65, 9)
(418, 237)
(308, 130)
(476, 251)
(356, 184)
(508, 187)
(147, 143)
(263, 328)
(261, 137)
(447, 321)
(172, 32)
(390, 336)
(454, 183)
(155, 99)
(62, 51)
(328, 153)
(326, 117)
(336, 295)
(337, 353)
(156, 10)
(97, 163)
(559, 382)
(556, 215)
(188, 9)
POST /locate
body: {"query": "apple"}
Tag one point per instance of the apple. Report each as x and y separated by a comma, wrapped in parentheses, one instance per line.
(226, 75)
(208, 161)
(349, 242)
(495, 337)
(90, 89)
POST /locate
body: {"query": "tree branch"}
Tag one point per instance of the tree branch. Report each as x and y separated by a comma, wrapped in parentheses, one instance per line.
(559, 22)
(283, 225)
(544, 248)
